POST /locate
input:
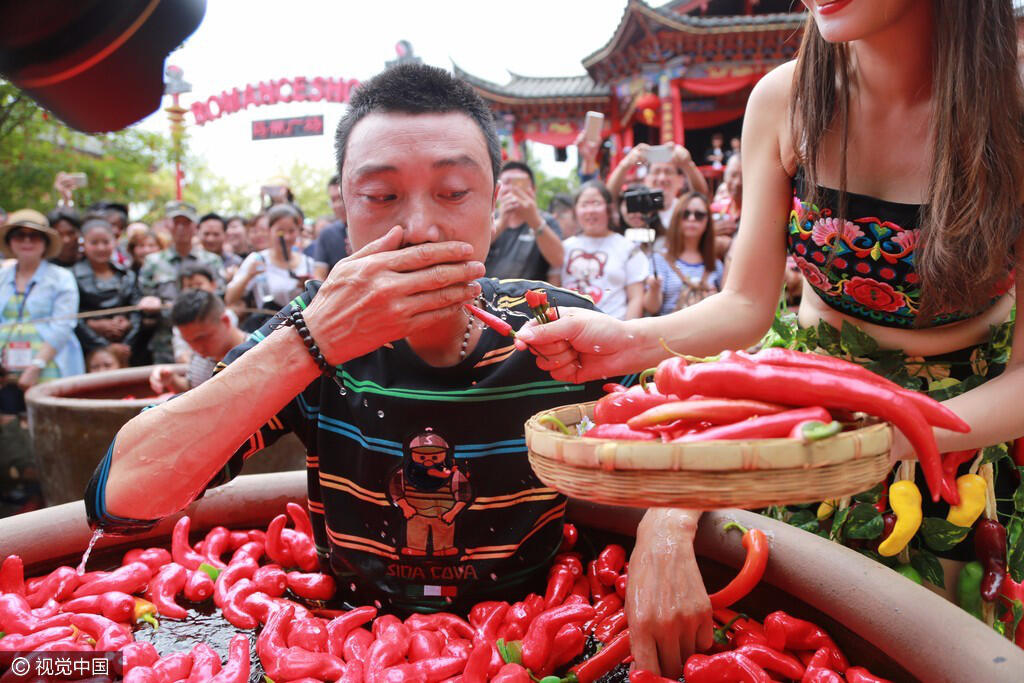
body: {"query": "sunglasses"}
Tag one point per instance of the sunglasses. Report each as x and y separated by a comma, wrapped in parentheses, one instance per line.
(697, 215)
(26, 235)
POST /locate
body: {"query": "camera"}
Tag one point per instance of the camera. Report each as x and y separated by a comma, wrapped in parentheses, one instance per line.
(644, 200)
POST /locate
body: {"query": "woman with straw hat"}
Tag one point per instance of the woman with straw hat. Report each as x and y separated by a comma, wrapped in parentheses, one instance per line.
(38, 303)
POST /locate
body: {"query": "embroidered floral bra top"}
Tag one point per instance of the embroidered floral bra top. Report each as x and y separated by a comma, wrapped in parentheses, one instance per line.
(872, 275)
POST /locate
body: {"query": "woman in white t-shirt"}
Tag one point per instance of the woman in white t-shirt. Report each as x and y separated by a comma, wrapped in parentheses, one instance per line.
(602, 264)
(267, 273)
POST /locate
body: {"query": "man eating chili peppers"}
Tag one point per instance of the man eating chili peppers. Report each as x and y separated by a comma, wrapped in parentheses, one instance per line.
(411, 411)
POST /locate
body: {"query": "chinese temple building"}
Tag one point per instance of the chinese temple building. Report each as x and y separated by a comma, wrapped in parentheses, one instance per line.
(671, 73)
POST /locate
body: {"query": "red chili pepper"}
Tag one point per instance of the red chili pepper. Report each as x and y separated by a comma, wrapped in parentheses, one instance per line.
(114, 605)
(604, 660)
(353, 673)
(233, 607)
(858, 674)
(245, 568)
(777, 426)
(570, 535)
(516, 621)
(560, 581)
(950, 463)
(724, 666)
(198, 586)
(537, 642)
(303, 549)
(458, 647)
(933, 411)
(478, 662)
(572, 561)
(815, 387)
(283, 663)
(251, 549)
(144, 674)
(488, 628)
(300, 519)
(236, 669)
(424, 645)
(12, 575)
(154, 557)
(620, 586)
(785, 632)
(216, 544)
(309, 634)
(435, 669)
(165, 586)
(773, 661)
(181, 551)
(818, 670)
(492, 321)
(756, 544)
(990, 549)
(130, 578)
(609, 564)
(139, 653)
(605, 607)
(456, 625)
(620, 406)
(15, 642)
(713, 410)
(97, 626)
(610, 626)
(312, 586)
(567, 646)
(58, 585)
(175, 666)
(276, 548)
(205, 663)
(619, 431)
(339, 628)
(883, 498)
(357, 645)
(645, 676)
(512, 673)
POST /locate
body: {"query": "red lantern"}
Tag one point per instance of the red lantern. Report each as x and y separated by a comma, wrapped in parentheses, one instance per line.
(648, 109)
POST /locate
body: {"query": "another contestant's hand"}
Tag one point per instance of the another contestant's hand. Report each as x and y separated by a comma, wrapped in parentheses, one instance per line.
(667, 607)
(383, 293)
(580, 346)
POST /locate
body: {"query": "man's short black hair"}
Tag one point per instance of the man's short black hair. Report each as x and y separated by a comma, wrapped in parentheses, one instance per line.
(214, 216)
(417, 89)
(190, 269)
(194, 305)
(559, 202)
(335, 180)
(518, 166)
(64, 214)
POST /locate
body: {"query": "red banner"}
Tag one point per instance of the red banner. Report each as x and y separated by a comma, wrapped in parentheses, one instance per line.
(719, 86)
(293, 127)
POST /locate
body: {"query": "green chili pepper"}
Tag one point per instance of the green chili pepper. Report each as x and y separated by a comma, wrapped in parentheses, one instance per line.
(968, 588)
(909, 572)
(551, 679)
(209, 570)
(815, 431)
(550, 419)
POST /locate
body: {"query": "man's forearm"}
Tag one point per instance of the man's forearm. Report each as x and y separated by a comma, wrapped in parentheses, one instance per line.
(550, 246)
(165, 456)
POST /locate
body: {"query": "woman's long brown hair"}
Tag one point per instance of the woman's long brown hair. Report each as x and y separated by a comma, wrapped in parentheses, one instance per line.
(674, 238)
(972, 214)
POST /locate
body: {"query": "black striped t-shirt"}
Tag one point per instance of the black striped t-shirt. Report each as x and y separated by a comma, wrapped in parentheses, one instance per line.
(419, 484)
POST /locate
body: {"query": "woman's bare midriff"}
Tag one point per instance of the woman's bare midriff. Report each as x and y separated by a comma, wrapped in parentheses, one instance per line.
(916, 342)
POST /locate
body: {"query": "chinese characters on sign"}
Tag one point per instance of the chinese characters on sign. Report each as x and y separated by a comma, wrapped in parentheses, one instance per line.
(291, 127)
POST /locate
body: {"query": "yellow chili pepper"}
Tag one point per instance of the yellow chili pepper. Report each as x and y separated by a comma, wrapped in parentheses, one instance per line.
(146, 611)
(905, 499)
(826, 509)
(972, 489)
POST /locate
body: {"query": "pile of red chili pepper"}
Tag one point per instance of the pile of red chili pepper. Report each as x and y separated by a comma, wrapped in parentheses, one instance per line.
(775, 393)
(575, 633)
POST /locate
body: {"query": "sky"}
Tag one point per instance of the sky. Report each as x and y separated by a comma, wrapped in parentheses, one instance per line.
(246, 41)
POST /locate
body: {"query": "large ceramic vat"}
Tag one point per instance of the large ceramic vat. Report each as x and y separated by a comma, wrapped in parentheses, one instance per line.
(73, 420)
(895, 627)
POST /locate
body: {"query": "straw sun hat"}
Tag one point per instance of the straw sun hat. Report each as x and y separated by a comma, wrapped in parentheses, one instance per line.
(27, 218)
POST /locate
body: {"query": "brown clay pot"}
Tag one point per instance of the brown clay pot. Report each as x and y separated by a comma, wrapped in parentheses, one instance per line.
(881, 620)
(73, 420)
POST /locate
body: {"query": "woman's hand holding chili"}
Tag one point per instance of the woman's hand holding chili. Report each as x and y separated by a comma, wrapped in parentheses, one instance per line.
(667, 605)
(383, 293)
(580, 346)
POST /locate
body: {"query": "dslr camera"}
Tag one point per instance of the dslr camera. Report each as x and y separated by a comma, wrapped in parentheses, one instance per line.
(644, 200)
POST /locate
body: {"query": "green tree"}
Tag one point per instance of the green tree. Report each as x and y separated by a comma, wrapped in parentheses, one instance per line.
(549, 185)
(309, 185)
(127, 166)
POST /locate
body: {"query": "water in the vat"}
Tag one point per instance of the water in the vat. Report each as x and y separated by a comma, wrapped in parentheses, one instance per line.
(88, 550)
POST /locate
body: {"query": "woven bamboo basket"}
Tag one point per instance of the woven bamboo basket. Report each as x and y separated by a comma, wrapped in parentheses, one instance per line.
(706, 475)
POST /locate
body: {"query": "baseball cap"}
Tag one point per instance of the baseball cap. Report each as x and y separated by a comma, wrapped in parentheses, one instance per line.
(175, 208)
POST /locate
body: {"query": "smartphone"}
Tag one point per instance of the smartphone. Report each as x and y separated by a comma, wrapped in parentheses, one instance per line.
(659, 154)
(78, 179)
(592, 125)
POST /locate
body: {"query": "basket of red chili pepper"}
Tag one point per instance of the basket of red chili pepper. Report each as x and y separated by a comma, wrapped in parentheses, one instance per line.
(777, 427)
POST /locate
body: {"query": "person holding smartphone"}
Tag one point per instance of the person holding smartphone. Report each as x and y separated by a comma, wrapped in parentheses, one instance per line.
(527, 243)
(670, 168)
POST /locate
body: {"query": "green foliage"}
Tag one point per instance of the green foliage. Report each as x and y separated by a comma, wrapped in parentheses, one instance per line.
(549, 185)
(123, 166)
(309, 185)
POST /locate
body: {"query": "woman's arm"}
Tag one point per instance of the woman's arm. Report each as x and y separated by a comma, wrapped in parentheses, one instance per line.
(239, 284)
(637, 155)
(653, 295)
(739, 315)
(634, 300)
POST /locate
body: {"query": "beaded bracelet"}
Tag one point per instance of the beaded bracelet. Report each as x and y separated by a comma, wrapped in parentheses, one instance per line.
(299, 323)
